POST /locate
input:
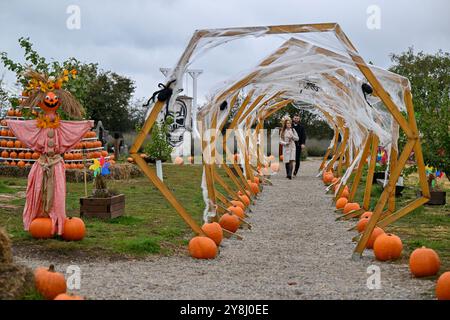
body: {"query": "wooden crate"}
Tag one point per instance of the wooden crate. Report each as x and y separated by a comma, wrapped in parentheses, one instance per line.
(102, 208)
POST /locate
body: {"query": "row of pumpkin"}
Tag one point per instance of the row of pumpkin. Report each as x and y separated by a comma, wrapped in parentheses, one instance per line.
(423, 262)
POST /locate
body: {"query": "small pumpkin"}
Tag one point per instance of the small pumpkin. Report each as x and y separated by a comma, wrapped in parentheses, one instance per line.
(387, 247)
(21, 164)
(130, 159)
(341, 202)
(13, 155)
(10, 144)
(443, 286)
(238, 204)
(13, 163)
(328, 177)
(35, 155)
(65, 296)
(5, 154)
(11, 112)
(21, 155)
(28, 155)
(245, 200)
(377, 231)
(351, 206)
(275, 167)
(178, 161)
(214, 231)
(10, 133)
(366, 214)
(4, 132)
(345, 192)
(49, 283)
(74, 229)
(3, 143)
(41, 228)
(17, 144)
(424, 262)
(237, 211)
(361, 225)
(229, 222)
(202, 248)
(68, 156)
(254, 188)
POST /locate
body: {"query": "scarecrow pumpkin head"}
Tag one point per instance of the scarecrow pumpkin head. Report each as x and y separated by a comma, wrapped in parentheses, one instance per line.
(50, 103)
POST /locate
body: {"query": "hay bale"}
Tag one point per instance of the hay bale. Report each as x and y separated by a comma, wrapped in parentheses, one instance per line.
(5, 248)
(15, 281)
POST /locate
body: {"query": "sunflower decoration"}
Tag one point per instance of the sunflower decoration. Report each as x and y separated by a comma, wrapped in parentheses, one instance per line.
(48, 93)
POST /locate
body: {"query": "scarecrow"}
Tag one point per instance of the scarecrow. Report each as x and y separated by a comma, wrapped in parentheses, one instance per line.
(51, 137)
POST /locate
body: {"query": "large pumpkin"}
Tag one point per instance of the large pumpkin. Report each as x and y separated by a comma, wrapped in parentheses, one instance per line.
(387, 247)
(41, 228)
(229, 222)
(377, 231)
(237, 211)
(202, 248)
(443, 286)
(65, 296)
(424, 262)
(74, 229)
(49, 283)
(341, 202)
(214, 231)
(351, 206)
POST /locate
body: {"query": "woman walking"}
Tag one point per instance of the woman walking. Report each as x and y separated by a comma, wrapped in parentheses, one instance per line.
(288, 138)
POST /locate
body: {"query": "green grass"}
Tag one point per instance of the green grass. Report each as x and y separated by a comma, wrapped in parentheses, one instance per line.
(426, 226)
(149, 226)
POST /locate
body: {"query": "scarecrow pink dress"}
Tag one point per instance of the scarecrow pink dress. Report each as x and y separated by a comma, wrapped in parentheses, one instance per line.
(50, 143)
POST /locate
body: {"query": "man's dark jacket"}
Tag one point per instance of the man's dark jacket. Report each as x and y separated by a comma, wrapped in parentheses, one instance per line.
(301, 133)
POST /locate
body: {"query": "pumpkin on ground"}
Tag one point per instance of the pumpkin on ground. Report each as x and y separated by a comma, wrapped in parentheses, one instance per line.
(361, 225)
(245, 200)
(387, 247)
(49, 283)
(366, 214)
(345, 192)
(202, 248)
(229, 222)
(238, 204)
(41, 228)
(351, 206)
(237, 211)
(65, 296)
(424, 262)
(74, 229)
(214, 231)
(328, 177)
(253, 187)
(340, 204)
(443, 286)
(377, 231)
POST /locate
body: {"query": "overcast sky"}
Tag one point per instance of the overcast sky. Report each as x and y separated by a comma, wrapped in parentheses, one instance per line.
(136, 38)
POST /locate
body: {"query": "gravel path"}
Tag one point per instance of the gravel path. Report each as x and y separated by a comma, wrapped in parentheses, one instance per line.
(295, 250)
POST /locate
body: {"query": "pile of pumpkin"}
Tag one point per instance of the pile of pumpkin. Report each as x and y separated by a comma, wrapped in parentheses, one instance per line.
(423, 262)
(206, 247)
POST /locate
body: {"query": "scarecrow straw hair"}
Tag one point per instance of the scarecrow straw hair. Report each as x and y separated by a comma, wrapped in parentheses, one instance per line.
(69, 104)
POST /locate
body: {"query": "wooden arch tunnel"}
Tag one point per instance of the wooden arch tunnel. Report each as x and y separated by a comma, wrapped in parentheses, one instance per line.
(263, 106)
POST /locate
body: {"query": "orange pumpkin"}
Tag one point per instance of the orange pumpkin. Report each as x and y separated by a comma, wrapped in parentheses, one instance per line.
(3, 143)
(35, 155)
(28, 155)
(5, 154)
(80, 166)
(377, 231)
(387, 247)
(351, 206)
(361, 226)
(49, 283)
(214, 231)
(13, 155)
(238, 204)
(229, 222)
(89, 145)
(17, 144)
(50, 103)
(13, 163)
(345, 192)
(424, 262)
(10, 133)
(104, 153)
(341, 202)
(21, 155)
(73, 166)
(178, 161)
(17, 113)
(237, 211)
(253, 187)
(67, 166)
(202, 248)
(21, 164)
(68, 156)
(130, 159)
(41, 228)
(328, 177)
(256, 180)
(11, 112)
(245, 200)
(10, 144)
(366, 214)
(443, 286)
(65, 296)
(97, 144)
(74, 229)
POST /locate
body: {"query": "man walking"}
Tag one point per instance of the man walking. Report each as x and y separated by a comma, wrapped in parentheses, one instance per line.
(300, 143)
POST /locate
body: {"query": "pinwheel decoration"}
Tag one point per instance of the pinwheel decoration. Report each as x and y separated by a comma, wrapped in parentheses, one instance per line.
(100, 166)
(432, 175)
